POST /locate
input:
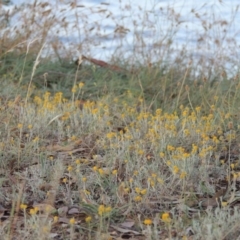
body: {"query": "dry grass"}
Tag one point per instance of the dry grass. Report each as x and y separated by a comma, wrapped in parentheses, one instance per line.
(93, 153)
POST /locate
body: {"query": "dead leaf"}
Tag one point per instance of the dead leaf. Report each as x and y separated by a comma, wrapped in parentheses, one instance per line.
(53, 235)
(127, 224)
(73, 211)
(81, 149)
(56, 117)
(62, 211)
(209, 202)
(123, 230)
(45, 187)
(59, 148)
(63, 220)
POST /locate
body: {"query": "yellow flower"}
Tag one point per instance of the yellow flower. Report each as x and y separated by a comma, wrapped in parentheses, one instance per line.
(135, 173)
(175, 169)
(58, 98)
(158, 111)
(33, 211)
(94, 111)
(78, 161)
(235, 175)
(152, 183)
(20, 125)
(108, 209)
(86, 192)
(84, 179)
(110, 135)
(154, 175)
(183, 175)
(95, 168)
(161, 154)
(69, 168)
(138, 199)
(168, 163)
(74, 89)
(72, 221)
(147, 221)
(166, 218)
(224, 204)
(101, 210)
(23, 206)
(101, 171)
(55, 219)
(81, 85)
(64, 180)
(170, 148)
(143, 191)
(88, 219)
(45, 229)
(73, 138)
(186, 132)
(114, 172)
(186, 155)
(36, 139)
(140, 152)
(65, 116)
(137, 190)
(160, 180)
(194, 148)
(228, 115)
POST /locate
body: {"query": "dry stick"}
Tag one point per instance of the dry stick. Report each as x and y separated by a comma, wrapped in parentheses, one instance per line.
(79, 62)
(34, 69)
(184, 79)
(140, 84)
(190, 102)
(12, 48)
(103, 64)
(24, 63)
(14, 217)
(153, 100)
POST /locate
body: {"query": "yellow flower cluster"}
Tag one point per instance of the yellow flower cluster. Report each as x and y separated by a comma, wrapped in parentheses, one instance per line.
(104, 210)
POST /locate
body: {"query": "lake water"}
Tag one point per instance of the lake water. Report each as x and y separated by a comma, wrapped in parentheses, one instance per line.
(204, 29)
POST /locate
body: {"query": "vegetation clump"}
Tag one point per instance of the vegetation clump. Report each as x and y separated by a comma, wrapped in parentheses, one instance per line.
(113, 150)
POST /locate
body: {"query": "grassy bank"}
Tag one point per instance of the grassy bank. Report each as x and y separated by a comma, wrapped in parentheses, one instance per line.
(109, 156)
(150, 151)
